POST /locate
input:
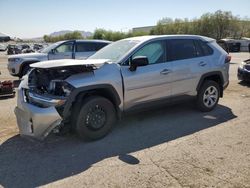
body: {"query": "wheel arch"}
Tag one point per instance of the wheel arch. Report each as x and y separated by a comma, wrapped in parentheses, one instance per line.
(24, 64)
(79, 94)
(215, 76)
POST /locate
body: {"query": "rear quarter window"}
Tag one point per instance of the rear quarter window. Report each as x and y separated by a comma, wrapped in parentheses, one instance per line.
(179, 49)
(85, 47)
(203, 48)
(100, 45)
(88, 46)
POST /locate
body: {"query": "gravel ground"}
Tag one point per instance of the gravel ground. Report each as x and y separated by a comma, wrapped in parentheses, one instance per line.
(175, 146)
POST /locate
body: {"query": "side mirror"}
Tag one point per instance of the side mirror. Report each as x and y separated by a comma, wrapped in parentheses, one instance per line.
(138, 61)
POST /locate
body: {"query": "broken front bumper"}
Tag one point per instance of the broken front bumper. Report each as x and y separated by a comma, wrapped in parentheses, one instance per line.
(35, 121)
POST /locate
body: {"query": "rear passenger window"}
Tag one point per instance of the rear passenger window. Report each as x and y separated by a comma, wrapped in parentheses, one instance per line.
(199, 50)
(206, 49)
(100, 46)
(89, 46)
(181, 49)
(203, 49)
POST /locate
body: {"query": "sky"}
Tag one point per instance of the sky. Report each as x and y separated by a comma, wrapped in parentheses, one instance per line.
(35, 18)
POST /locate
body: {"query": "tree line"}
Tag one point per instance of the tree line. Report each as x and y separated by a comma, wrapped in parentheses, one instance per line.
(67, 36)
(218, 25)
(98, 34)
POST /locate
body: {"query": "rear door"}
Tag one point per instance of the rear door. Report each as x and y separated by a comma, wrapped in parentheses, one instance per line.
(188, 64)
(85, 49)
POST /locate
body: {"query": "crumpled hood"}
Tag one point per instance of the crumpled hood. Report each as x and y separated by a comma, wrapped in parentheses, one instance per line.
(69, 62)
(29, 55)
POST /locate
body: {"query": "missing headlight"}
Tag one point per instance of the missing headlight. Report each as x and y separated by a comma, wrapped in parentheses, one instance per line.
(60, 88)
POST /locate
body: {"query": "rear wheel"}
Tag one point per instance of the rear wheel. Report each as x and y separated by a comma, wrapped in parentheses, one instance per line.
(96, 118)
(208, 96)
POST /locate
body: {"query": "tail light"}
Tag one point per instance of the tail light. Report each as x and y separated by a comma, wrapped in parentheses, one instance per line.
(228, 59)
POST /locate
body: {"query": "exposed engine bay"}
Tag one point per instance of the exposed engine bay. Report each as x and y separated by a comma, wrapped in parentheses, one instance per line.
(51, 81)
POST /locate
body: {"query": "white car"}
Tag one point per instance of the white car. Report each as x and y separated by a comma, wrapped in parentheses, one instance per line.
(18, 65)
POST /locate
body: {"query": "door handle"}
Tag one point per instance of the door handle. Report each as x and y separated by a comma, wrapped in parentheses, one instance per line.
(202, 63)
(165, 71)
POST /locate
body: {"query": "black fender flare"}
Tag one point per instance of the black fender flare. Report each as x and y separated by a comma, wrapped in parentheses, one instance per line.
(206, 75)
(82, 91)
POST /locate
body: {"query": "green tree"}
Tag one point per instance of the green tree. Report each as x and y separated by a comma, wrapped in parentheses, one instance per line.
(67, 36)
(217, 25)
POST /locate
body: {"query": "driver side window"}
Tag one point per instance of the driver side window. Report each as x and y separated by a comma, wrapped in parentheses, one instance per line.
(66, 47)
(153, 51)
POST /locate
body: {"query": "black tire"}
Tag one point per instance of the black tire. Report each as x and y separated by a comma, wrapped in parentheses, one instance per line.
(96, 118)
(205, 101)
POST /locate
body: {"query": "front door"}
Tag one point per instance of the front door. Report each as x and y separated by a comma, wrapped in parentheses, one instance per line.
(64, 51)
(147, 83)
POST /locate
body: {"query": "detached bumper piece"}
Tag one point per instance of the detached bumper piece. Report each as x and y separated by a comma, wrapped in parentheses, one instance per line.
(6, 89)
(34, 121)
(243, 74)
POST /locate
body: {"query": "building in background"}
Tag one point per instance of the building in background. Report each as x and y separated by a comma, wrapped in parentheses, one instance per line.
(145, 29)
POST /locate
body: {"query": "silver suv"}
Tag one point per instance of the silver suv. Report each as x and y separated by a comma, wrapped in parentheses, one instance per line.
(18, 65)
(88, 96)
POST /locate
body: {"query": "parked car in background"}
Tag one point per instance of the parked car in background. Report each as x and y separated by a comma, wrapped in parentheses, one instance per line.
(18, 65)
(244, 71)
(224, 45)
(37, 47)
(88, 96)
(28, 50)
(3, 47)
(13, 49)
(230, 45)
(24, 46)
(234, 47)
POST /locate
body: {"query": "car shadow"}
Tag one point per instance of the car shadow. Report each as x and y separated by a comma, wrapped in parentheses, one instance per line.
(7, 97)
(28, 163)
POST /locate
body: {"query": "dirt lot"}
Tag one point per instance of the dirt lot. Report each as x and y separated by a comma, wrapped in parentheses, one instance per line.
(172, 147)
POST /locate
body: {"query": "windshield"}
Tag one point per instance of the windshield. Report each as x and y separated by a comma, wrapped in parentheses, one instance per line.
(115, 51)
(50, 47)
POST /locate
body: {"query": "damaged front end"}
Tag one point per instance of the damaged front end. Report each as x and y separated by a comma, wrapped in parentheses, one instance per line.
(42, 95)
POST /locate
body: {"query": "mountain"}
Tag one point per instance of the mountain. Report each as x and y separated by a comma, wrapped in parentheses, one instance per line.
(58, 33)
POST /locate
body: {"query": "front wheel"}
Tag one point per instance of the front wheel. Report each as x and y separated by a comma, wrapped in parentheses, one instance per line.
(96, 118)
(208, 96)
